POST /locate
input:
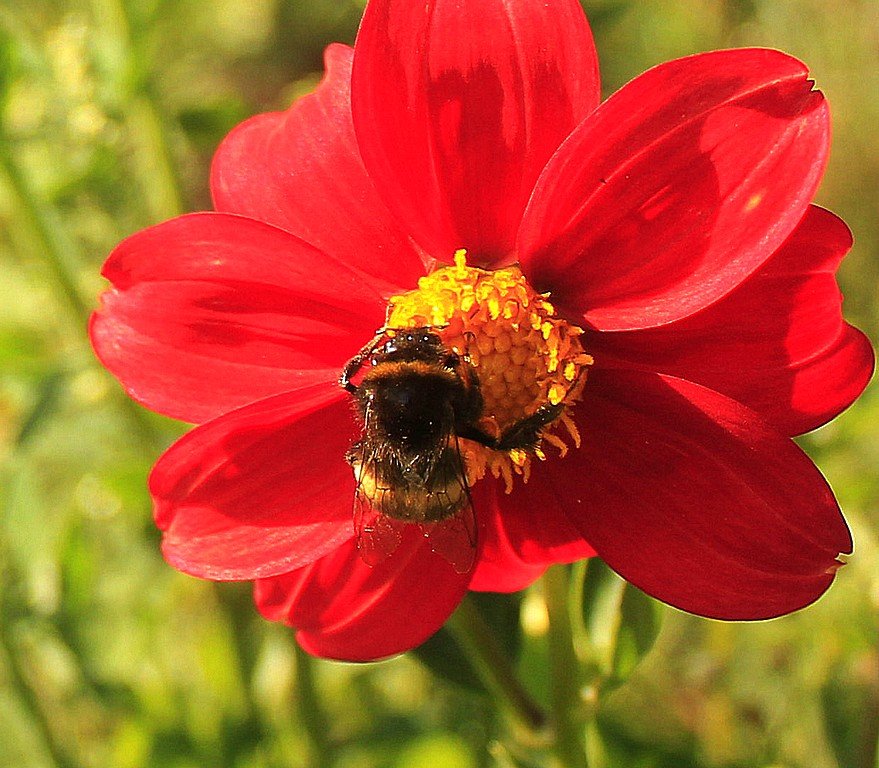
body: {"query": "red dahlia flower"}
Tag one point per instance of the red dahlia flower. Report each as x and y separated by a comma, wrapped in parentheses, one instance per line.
(671, 227)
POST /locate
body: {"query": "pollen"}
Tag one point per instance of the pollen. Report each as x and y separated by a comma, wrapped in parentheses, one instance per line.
(523, 355)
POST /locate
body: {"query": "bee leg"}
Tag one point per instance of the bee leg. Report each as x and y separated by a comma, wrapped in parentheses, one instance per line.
(524, 434)
(348, 371)
(477, 436)
(356, 363)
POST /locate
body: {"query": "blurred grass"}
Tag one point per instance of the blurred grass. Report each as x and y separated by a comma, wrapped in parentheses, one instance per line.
(109, 113)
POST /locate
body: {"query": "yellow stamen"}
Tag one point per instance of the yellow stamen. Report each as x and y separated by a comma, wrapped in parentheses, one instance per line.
(524, 356)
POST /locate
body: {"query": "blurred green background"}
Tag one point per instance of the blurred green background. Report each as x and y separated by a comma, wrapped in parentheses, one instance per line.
(109, 113)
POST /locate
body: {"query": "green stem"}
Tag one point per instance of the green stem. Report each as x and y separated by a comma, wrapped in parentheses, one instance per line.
(570, 748)
(491, 663)
(146, 125)
(238, 614)
(311, 715)
(28, 699)
(153, 158)
(63, 258)
(58, 250)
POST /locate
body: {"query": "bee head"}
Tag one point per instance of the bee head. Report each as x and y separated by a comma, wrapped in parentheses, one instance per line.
(410, 345)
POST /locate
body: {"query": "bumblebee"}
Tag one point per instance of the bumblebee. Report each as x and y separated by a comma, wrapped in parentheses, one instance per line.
(416, 401)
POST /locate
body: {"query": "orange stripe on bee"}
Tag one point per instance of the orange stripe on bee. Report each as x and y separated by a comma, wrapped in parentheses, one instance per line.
(392, 370)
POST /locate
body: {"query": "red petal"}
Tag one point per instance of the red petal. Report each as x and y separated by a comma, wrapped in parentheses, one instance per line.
(777, 343)
(458, 106)
(503, 569)
(525, 531)
(301, 170)
(211, 311)
(676, 188)
(500, 567)
(692, 498)
(258, 491)
(345, 609)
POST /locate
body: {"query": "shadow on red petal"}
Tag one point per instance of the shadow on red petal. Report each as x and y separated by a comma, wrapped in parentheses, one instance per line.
(210, 311)
(523, 532)
(676, 189)
(344, 609)
(778, 343)
(458, 106)
(697, 501)
(260, 490)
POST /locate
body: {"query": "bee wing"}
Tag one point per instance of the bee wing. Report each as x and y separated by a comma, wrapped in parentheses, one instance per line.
(455, 537)
(377, 535)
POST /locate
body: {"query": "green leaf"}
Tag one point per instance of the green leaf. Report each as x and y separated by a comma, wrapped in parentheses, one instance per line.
(605, 14)
(502, 611)
(444, 656)
(851, 715)
(8, 60)
(621, 622)
(602, 593)
(206, 125)
(616, 745)
(49, 391)
(640, 622)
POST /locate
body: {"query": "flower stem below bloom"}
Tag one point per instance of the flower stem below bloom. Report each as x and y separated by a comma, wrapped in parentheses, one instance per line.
(492, 664)
(310, 712)
(569, 739)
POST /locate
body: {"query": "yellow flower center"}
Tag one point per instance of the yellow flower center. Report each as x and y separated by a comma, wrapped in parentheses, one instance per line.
(524, 356)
